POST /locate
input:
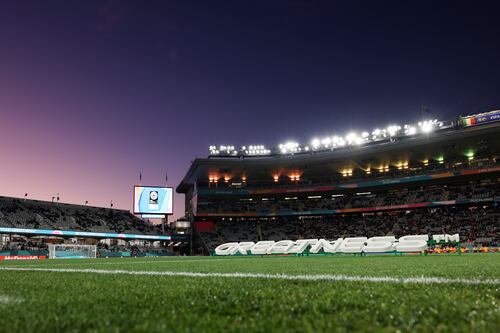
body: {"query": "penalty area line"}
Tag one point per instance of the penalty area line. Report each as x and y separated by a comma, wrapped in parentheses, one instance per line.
(312, 277)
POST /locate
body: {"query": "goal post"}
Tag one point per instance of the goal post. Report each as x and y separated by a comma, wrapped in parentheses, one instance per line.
(72, 251)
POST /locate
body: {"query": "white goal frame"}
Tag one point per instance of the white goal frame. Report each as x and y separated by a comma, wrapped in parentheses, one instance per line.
(73, 250)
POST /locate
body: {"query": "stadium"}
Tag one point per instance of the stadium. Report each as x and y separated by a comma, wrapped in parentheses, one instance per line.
(429, 178)
(351, 232)
(249, 166)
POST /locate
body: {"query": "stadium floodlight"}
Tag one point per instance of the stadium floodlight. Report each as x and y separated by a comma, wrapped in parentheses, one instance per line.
(350, 137)
(315, 143)
(289, 147)
(393, 130)
(426, 126)
(256, 150)
(223, 150)
(326, 142)
(213, 150)
(339, 142)
(377, 134)
(333, 142)
(353, 139)
(410, 130)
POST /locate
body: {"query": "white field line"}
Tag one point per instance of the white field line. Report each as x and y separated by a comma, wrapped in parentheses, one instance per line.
(6, 300)
(313, 277)
(60, 262)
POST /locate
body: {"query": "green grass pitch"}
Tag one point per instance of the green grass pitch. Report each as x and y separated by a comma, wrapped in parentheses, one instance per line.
(74, 301)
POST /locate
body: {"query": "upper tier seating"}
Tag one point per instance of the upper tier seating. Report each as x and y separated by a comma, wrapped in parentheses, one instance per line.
(20, 213)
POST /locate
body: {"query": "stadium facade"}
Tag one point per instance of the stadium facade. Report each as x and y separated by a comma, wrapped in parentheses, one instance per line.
(430, 177)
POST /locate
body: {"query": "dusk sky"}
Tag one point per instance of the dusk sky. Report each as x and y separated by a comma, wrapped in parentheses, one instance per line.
(94, 92)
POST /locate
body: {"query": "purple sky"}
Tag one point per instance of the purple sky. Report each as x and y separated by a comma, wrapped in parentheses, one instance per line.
(93, 92)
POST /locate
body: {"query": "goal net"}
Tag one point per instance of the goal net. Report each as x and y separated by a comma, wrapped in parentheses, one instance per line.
(71, 251)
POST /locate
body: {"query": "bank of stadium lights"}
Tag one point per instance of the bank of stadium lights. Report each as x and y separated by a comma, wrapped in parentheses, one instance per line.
(329, 142)
(289, 147)
(256, 150)
(409, 130)
(391, 132)
(425, 126)
(386, 133)
(378, 134)
(355, 139)
(223, 150)
(428, 126)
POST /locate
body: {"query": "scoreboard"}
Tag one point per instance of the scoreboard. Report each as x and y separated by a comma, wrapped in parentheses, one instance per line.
(153, 200)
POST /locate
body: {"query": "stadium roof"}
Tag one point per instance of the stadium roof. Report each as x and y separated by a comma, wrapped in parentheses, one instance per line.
(448, 144)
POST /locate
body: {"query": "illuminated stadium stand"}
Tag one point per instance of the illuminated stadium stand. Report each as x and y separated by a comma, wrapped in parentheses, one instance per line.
(36, 223)
(50, 215)
(435, 176)
(368, 201)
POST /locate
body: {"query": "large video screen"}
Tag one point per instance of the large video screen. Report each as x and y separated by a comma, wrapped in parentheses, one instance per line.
(153, 200)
